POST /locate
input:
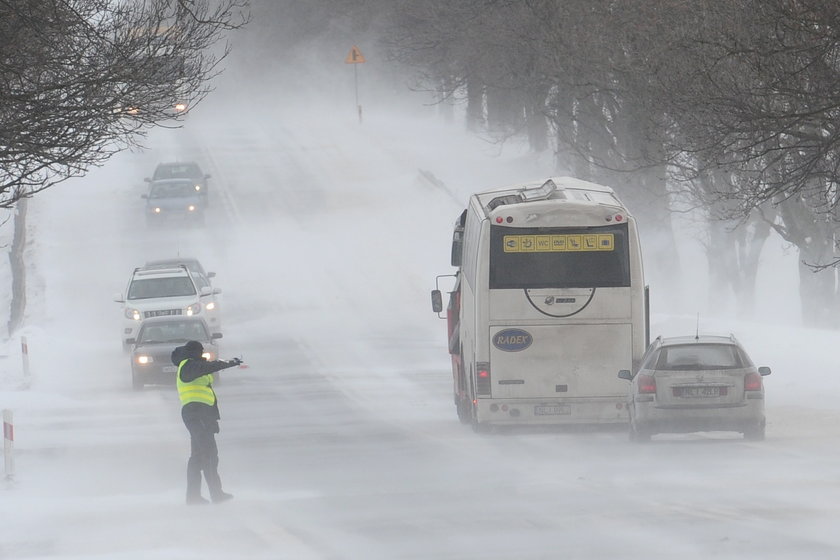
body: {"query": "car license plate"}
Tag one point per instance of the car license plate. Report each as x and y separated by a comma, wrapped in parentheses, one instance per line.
(552, 409)
(699, 392)
(169, 369)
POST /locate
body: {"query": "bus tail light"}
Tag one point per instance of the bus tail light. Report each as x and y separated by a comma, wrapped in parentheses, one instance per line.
(482, 379)
(752, 382)
(647, 384)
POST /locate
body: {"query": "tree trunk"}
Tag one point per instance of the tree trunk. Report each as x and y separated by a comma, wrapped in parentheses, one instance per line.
(475, 106)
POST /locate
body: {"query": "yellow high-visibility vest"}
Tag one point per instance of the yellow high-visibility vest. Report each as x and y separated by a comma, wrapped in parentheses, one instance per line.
(199, 389)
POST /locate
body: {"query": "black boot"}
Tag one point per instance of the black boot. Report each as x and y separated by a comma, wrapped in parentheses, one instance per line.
(220, 497)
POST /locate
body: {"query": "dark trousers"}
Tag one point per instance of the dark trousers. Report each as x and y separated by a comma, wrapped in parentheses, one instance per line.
(204, 456)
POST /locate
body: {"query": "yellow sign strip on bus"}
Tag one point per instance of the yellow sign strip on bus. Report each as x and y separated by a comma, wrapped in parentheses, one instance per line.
(559, 243)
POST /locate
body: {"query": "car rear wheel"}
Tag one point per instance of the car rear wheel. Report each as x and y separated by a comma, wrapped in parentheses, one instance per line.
(755, 433)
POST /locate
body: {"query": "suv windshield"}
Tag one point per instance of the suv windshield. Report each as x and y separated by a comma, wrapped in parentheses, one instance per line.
(167, 190)
(701, 357)
(177, 171)
(180, 331)
(144, 288)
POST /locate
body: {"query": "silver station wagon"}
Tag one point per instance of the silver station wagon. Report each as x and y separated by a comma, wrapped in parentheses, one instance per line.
(694, 384)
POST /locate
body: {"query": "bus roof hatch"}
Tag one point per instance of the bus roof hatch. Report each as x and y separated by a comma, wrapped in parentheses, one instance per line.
(543, 192)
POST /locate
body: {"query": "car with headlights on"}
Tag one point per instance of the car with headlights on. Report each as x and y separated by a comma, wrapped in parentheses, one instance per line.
(695, 384)
(161, 292)
(151, 350)
(174, 200)
(182, 170)
(211, 307)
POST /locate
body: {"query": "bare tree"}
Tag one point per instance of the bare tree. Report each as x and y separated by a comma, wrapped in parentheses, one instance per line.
(83, 79)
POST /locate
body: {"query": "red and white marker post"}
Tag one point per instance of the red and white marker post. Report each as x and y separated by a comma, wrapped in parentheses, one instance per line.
(8, 443)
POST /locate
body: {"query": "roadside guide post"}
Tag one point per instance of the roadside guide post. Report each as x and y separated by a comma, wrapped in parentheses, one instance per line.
(355, 58)
(8, 444)
(24, 351)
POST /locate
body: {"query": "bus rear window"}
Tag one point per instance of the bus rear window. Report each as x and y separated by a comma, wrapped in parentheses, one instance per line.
(530, 258)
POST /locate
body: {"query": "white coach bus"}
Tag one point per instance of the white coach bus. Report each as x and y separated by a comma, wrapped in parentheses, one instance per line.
(549, 304)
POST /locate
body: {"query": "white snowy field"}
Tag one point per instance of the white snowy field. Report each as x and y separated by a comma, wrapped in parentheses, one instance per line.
(340, 440)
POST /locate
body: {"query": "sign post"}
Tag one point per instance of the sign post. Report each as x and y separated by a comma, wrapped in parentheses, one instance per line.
(355, 58)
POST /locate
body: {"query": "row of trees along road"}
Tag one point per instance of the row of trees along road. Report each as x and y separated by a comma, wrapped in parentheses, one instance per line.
(729, 106)
(83, 79)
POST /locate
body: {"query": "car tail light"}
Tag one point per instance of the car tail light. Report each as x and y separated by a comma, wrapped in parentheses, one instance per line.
(647, 384)
(482, 379)
(752, 382)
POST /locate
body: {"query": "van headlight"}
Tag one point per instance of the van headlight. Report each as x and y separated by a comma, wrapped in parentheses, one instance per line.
(144, 359)
(193, 309)
(133, 314)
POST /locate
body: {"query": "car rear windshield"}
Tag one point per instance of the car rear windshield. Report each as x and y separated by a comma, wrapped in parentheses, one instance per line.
(145, 288)
(591, 257)
(180, 331)
(701, 356)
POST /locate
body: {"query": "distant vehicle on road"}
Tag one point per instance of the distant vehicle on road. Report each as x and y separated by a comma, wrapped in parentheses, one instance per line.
(160, 293)
(182, 170)
(174, 199)
(201, 277)
(696, 383)
(157, 338)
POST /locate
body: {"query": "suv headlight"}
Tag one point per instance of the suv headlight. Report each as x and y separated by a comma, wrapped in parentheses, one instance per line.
(210, 306)
(143, 359)
(133, 314)
(193, 309)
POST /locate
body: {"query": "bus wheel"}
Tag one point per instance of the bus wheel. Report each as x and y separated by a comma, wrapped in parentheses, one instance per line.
(462, 406)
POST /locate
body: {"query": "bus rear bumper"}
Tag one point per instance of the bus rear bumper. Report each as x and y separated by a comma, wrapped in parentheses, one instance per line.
(602, 410)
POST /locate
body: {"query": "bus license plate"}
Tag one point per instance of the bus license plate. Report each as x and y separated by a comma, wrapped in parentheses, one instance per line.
(552, 409)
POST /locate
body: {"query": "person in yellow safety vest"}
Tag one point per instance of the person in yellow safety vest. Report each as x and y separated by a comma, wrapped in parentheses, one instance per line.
(200, 412)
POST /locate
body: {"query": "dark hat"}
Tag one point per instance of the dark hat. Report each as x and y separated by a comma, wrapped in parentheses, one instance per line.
(193, 349)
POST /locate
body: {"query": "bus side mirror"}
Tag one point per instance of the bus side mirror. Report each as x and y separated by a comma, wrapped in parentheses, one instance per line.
(625, 374)
(457, 247)
(437, 301)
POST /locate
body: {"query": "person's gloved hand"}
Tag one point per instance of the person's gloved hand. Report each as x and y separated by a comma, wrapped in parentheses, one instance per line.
(234, 362)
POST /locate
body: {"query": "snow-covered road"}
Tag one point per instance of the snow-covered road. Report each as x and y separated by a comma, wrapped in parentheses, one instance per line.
(340, 439)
